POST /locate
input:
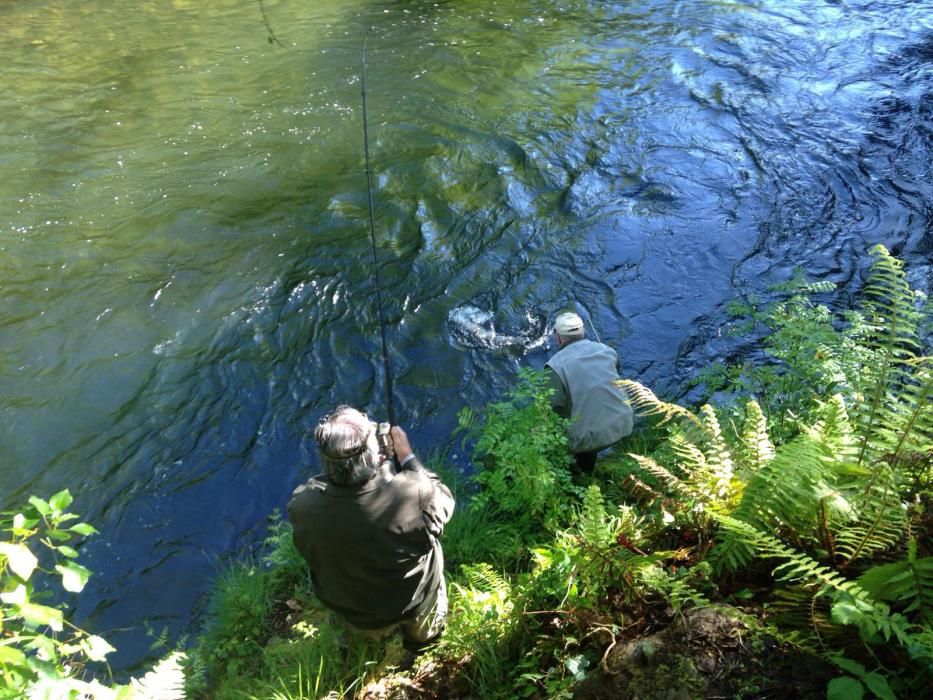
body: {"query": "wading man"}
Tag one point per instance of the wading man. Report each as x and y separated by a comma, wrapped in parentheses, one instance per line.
(582, 374)
(369, 531)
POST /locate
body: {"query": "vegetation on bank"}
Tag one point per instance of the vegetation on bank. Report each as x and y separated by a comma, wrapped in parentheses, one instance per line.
(774, 541)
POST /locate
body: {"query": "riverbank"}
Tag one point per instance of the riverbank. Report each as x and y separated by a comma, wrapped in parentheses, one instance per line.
(775, 544)
(752, 550)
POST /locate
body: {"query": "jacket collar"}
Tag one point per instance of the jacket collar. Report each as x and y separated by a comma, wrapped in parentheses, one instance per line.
(384, 474)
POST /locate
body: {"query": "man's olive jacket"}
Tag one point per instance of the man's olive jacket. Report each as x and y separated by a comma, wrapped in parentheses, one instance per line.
(584, 392)
(372, 548)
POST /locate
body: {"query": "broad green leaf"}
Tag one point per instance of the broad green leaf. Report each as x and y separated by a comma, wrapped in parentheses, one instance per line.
(846, 614)
(17, 596)
(22, 561)
(542, 557)
(848, 665)
(577, 666)
(23, 526)
(74, 576)
(96, 648)
(67, 551)
(40, 505)
(61, 500)
(877, 580)
(42, 615)
(46, 647)
(845, 688)
(878, 684)
(59, 535)
(69, 648)
(83, 529)
(10, 656)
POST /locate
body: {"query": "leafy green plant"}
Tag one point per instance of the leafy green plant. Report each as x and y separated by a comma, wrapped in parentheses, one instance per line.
(816, 473)
(481, 607)
(42, 653)
(822, 501)
(808, 352)
(521, 448)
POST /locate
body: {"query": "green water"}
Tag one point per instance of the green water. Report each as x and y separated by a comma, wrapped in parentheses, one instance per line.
(184, 253)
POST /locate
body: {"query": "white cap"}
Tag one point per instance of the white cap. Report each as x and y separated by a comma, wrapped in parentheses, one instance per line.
(568, 324)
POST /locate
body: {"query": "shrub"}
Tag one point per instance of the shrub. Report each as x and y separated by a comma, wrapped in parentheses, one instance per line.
(42, 653)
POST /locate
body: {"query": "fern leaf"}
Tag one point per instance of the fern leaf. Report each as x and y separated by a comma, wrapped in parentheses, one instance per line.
(756, 446)
(166, 681)
(595, 523)
(893, 319)
(916, 427)
(833, 430)
(719, 458)
(691, 459)
(796, 565)
(656, 470)
(678, 592)
(880, 521)
(908, 582)
(483, 577)
(786, 492)
(647, 404)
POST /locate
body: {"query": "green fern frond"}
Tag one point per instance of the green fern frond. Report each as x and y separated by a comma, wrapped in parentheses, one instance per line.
(833, 429)
(799, 284)
(691, 459)
(853, 605)
(786, 492)
(483, 577)
(596, 525)
(893, 320)
(718, 457)
(907, 583)
(796, 608)
(880, 519)
(646, 403)
(678, 592)
(916, 398)
(784, 495)
(730, 553)
(756, 448)
(673, 482)
(796, 566)
(166, 681)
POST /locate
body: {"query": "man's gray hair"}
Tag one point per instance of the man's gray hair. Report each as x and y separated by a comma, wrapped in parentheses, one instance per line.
(348, 447)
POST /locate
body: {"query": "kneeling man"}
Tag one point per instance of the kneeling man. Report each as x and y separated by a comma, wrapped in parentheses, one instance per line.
(369, 531)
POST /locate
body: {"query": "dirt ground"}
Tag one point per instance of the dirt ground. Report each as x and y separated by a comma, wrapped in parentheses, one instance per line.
(704, 653)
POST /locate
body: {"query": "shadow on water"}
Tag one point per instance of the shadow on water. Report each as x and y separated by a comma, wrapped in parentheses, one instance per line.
(186, 270)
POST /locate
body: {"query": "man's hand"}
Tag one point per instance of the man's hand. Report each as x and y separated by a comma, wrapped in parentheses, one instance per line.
(384, 438)
(400, 440)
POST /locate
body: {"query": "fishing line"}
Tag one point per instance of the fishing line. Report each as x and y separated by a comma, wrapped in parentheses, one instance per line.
(390, 408)
(589, 319)
(273, 39)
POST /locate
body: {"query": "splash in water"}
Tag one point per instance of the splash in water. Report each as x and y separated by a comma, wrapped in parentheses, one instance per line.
(475, 328)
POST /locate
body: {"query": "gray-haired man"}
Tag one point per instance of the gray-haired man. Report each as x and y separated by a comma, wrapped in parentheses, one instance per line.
(370, 534)
(582, 375)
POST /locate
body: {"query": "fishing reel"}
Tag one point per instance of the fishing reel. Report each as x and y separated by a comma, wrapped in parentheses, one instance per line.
(384, 438)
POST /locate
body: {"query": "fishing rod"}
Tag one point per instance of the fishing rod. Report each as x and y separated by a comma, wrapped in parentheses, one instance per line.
(584, 315)
(390, 407)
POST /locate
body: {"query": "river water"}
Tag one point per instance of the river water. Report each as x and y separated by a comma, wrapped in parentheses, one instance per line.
(184, 255)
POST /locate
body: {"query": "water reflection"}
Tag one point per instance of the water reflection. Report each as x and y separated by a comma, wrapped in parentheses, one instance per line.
(185, 262)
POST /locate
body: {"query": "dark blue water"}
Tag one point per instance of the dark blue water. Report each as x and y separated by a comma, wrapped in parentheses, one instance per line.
(186, 266)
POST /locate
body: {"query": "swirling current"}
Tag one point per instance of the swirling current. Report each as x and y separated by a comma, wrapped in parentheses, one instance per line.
(185, 269)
